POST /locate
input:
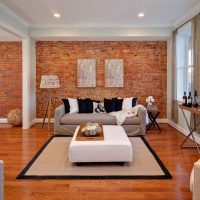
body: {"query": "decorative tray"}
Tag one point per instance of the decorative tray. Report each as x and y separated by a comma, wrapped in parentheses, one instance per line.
(81, 136)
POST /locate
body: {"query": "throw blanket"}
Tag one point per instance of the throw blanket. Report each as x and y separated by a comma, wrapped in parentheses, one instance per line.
(123, 114)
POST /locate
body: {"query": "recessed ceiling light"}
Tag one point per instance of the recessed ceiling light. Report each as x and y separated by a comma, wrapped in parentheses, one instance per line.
(141, 14)
(56, 15)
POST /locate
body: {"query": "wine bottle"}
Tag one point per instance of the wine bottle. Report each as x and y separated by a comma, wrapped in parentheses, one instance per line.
(189, 100)
(195, 101)
(184, 99)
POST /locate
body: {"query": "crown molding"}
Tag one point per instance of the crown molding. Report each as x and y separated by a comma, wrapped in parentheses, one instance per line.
(194, 11)
(95, 26)
(100, 34)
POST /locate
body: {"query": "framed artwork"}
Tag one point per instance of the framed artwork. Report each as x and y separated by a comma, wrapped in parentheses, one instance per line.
(86, 73)
(114, 73)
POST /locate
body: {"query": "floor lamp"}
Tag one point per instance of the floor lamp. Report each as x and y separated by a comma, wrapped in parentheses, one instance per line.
(49, 82)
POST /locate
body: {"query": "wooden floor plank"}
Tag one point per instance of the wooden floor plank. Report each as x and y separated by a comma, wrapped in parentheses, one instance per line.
(17, 147)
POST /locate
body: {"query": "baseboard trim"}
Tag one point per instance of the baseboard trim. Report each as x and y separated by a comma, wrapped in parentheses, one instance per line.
(3, 121)
(178, 128)
(162, 121)
(32, 122)
(184, 131)
(40, 120)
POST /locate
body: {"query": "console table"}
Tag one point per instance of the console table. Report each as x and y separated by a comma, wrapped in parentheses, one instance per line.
(194, 112)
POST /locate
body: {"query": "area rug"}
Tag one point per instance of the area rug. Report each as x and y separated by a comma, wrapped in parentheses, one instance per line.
(51, 162)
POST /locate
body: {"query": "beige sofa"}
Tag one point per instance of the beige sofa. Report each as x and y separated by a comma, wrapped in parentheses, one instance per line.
(67, 123)
(1, 180)
(195, 181)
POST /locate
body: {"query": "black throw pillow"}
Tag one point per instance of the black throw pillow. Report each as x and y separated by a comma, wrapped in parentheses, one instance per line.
(89, 105)
(66, 104)
(134, 101)
(82, 105)
(118, 104)
(109, 105)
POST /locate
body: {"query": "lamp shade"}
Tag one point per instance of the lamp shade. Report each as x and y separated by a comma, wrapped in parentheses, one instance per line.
(49, 81)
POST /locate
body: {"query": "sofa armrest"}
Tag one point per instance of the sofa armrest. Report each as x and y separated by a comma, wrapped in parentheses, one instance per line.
(195, 181)
(142, 114)
(58, 113)
(1, 180)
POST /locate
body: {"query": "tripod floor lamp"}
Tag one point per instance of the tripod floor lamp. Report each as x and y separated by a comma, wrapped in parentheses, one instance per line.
(49, 82)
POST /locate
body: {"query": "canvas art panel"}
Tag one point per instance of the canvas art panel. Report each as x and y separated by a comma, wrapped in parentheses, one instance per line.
(86, 73)
(114, 73)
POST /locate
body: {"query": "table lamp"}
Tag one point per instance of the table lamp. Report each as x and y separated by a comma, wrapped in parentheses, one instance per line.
(49, 82)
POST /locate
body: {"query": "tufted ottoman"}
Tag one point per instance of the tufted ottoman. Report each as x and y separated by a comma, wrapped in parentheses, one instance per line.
(115, 147)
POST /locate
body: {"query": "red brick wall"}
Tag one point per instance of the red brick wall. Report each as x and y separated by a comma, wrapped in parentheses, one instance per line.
(145, 69)
(10, 77)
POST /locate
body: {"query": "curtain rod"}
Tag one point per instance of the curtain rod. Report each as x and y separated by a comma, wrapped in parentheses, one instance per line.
(186, 22)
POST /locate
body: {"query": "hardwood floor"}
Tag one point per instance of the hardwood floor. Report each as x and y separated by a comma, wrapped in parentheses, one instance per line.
(18, 146)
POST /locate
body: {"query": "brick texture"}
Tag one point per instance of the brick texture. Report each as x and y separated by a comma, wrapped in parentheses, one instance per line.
(10, 77)
(145, 70)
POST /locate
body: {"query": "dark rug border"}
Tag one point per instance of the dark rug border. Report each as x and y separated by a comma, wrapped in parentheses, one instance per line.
(74, 177)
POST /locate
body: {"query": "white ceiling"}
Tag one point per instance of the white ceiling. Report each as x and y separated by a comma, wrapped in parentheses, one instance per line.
(101, 13)
(94, 19)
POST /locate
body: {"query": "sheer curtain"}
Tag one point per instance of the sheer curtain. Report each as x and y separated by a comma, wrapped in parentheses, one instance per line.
(174, 107)
(196, 58)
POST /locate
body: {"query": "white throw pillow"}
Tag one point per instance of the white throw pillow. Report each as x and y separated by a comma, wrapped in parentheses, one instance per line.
(73, 103)
(127, 103)
(95, 105)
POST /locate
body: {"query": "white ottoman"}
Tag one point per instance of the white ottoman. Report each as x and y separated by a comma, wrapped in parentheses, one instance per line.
(115, 147)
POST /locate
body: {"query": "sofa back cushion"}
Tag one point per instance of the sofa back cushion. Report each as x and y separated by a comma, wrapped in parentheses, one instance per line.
(118, 104)
(82, 107)
(73, 103)
(66, 105)
(109, 105)
(85, 105)
(129, 103)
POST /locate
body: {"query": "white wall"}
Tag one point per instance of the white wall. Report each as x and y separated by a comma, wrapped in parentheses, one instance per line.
(32, 81)
(29, 76)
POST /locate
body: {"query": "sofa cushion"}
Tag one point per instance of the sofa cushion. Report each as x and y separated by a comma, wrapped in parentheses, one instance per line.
(118, 104)
(109, 105)
(104, 118)
(85, 105)
(82, 105)
(66, 104)
(73, 103)
(128, 103)
(89, 106)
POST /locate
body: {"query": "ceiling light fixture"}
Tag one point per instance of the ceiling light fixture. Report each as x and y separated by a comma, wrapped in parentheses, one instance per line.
(56, 15)
(141, 14)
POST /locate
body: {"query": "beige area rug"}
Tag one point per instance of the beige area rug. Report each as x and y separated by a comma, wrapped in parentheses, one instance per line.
(51, 162)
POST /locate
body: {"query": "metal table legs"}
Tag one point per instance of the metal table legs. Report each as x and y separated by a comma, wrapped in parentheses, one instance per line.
(191, 133)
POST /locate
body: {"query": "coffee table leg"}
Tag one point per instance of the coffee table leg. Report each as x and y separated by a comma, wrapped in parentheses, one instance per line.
(79, 164)
(121, 163)
(82, 163)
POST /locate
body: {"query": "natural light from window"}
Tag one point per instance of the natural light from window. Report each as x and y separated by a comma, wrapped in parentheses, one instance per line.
(184, 59)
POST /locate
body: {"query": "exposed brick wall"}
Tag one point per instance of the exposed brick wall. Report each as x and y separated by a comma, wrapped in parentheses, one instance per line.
(10, 77)
(145, 69)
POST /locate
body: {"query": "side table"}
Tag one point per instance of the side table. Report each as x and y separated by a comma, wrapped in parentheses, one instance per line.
(153, 113)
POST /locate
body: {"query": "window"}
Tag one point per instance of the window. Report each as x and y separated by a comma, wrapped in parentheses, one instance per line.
(184, 59)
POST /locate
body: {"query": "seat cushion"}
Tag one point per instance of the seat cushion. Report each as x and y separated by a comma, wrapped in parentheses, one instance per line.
(104, 118)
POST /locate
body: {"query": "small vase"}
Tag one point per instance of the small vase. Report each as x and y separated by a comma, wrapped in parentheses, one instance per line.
(150, 103)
